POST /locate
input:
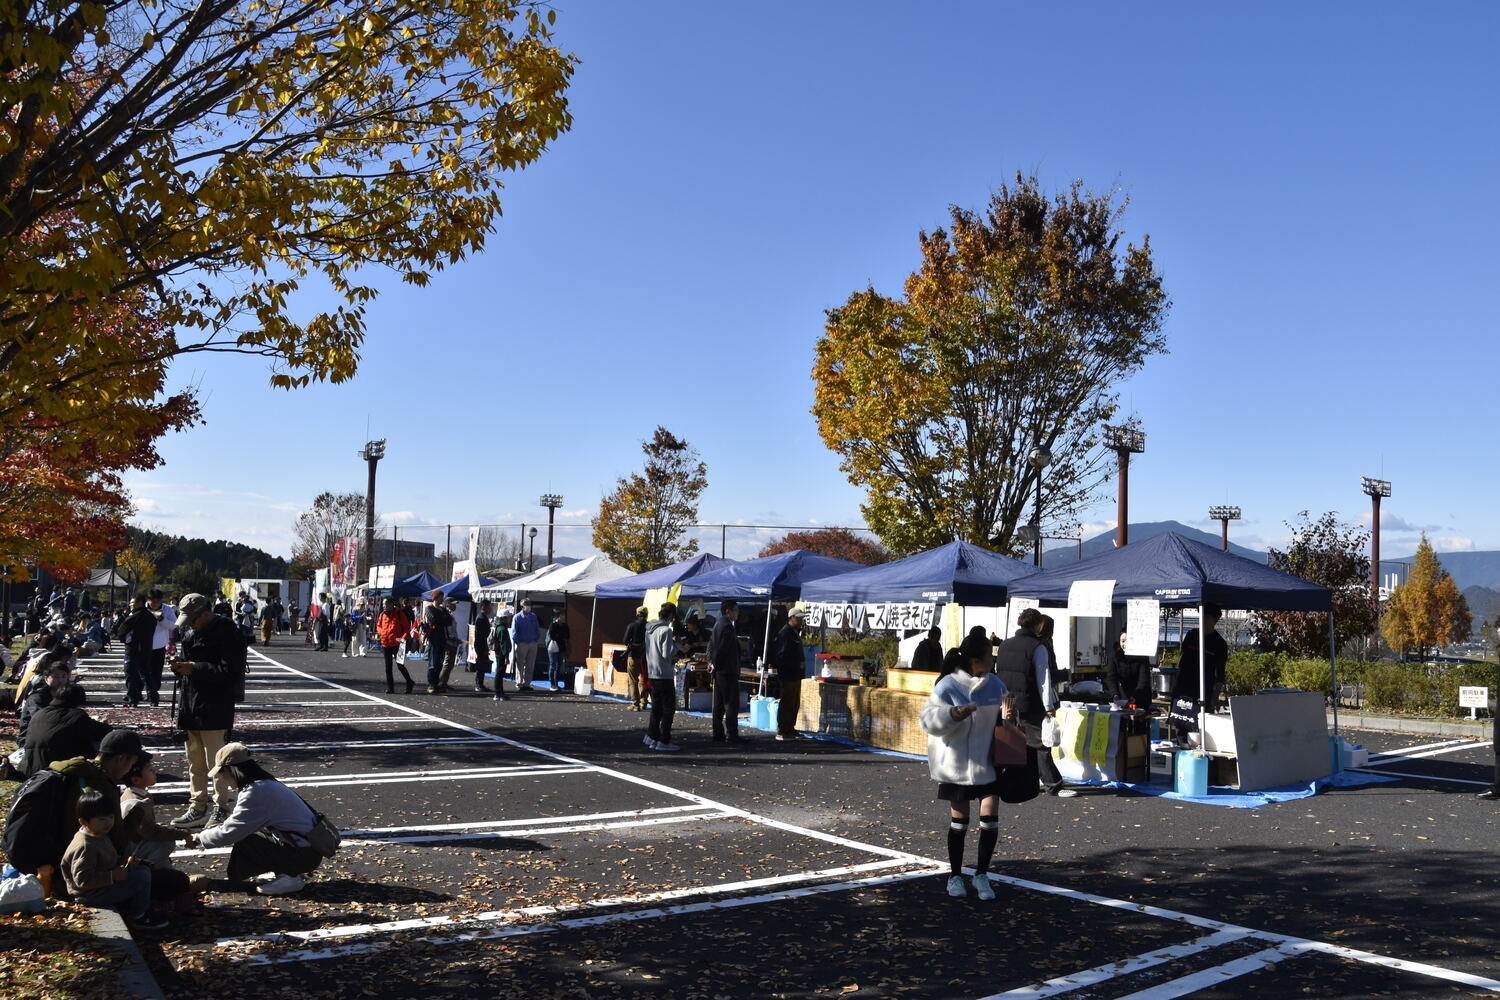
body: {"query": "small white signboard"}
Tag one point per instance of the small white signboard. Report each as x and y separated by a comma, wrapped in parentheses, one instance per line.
(1091, 598)
(1473, 698)
(1142, 623)
(1017, 605)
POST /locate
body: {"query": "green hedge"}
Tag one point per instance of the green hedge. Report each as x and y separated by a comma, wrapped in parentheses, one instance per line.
(880, 648)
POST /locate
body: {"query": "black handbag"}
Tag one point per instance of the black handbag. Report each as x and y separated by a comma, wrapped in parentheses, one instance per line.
(1022, 782)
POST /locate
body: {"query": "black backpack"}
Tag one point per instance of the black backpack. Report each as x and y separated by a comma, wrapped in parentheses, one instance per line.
(35, 833)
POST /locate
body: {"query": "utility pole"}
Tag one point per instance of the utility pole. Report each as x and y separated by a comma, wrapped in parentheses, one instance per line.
(1224, 515)
(1124, 440)
(373, 452)
(551, 501)
(1041, 458)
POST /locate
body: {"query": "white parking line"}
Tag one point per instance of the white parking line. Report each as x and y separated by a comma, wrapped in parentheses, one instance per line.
(1384, 759)
(478, 920)
(1114, 970)
(340, 720)
(1205, 978)
(1425, 777)
(404, 777)
(342, 744)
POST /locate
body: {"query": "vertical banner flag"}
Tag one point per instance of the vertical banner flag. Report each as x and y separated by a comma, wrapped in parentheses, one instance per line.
(473, 562)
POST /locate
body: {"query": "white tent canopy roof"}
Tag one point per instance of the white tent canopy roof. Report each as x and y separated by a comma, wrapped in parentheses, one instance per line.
(578, 578)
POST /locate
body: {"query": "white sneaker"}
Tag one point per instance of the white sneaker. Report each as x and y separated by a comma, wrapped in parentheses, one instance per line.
(666, 746)
(1064, 793)
(982, 887)
(650, 743)
(956, 887)
(282, 885)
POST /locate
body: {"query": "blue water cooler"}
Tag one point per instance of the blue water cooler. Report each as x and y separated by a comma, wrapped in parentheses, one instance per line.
(1192, 773)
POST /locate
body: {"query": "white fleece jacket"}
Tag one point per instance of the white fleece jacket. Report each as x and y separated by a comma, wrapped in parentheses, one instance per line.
(959, 752)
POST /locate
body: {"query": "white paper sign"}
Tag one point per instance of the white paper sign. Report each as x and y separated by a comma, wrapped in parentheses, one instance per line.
(1091, 598)
(1017, 605)
(1142, 624)
(473, 560)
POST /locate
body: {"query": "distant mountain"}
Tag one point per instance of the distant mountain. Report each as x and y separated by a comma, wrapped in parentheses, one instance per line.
(1469, 569)
(1483, 603)
(1103, 542)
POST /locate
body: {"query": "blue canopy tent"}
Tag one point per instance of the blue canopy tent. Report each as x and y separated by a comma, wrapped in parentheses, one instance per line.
(958, 572)
(771, 577)
(635, 587)
(419, 585)
(460, 588)
(1180, 572)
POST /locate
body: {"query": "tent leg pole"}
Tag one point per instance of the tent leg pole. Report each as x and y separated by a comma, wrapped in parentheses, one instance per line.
(1333, 669)
(593, 616)
(766, 642)
(1202, 682)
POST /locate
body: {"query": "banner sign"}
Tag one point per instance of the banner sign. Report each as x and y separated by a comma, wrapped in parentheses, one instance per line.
(870, 617)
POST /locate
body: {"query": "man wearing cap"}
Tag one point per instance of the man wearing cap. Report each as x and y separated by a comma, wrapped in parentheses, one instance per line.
(527, 632)
(211, 665)
(789, 664)
(635, 660)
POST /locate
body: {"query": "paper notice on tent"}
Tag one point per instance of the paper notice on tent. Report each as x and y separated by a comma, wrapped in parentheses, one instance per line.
(473, 561)
(1014, 609)
(1142, 624)
(1091, 598)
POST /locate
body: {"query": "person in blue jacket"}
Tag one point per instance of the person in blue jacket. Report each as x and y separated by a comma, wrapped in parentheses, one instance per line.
(960, 718)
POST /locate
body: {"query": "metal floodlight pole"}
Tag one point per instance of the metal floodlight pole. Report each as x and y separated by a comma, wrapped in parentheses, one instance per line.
(1375, 489)
(551, 501)
(1124, 440)
(373, 452)
(1224, 515)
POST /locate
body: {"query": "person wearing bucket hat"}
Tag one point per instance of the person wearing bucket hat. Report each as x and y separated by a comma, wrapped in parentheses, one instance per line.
(267, 830)
(210, 667)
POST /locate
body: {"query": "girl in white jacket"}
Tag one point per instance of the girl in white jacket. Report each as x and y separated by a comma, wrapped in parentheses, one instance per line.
(960, 718)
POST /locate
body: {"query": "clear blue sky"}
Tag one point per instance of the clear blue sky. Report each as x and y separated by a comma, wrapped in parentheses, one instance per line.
(1317, 181)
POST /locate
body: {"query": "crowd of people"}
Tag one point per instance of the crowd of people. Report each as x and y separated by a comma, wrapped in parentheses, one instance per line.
(83, 818)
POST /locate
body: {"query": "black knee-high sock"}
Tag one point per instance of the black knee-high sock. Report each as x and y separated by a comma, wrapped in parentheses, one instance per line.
(989, 835)
(957, 828)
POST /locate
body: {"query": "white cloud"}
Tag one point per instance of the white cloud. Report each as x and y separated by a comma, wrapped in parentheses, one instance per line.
(1452, 543)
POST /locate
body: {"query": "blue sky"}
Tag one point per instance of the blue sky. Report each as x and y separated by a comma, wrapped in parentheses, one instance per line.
(1315, 178)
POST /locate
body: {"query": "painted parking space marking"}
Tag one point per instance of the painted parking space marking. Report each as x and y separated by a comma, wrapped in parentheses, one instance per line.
(1380, 760)
(404, 777)
(1114, 970)
(1206, 978)
(1426, 777)
(1282, 946)
(341, 745)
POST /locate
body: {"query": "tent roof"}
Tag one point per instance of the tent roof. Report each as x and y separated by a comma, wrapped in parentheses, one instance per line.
(417, 585)
(957, 572)
(579, 577)
(106, 578)
(501, 589)
(460, 587)
(635, 587)
(780, 575)
(1179, 571)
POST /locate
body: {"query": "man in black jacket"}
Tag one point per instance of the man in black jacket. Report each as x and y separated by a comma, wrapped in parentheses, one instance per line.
(135, 632)
(789, 664)
(635, 660)
(1215, 658)
(62, 730)
(929, 652)
(1024, 667)
(211, 666)
(724, 660)
(1128, 678)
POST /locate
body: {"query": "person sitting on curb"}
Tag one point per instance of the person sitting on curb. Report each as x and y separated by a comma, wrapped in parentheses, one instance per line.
(94, 873)
(267, 831)
(62, 730)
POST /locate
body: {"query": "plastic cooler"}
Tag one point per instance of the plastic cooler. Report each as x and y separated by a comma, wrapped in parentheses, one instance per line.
(1192, 773)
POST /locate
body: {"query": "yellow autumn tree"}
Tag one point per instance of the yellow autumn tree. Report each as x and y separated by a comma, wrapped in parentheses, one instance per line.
(1010, 336)
(642, 523)
(1427, 610)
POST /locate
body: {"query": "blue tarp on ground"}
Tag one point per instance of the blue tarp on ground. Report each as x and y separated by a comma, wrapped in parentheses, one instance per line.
(957, 571)
(635, 587)
(419, 585)
(1235, 799)
(779, 576)
(460, 588)
(1179, 571)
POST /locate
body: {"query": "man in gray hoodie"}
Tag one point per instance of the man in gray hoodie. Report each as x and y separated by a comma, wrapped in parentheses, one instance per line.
(661, 660)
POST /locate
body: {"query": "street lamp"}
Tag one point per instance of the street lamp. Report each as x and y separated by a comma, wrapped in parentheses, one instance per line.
(1224, 515)
(1374, 489)
(373, 452)
(1124, 440)
(1041, 458)
(551, 501)
(531, 562)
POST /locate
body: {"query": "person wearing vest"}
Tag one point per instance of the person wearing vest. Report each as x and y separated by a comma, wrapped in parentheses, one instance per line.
(1025, 669)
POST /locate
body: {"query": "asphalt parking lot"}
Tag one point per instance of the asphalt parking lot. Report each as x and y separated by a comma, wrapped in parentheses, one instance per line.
(536, 848)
